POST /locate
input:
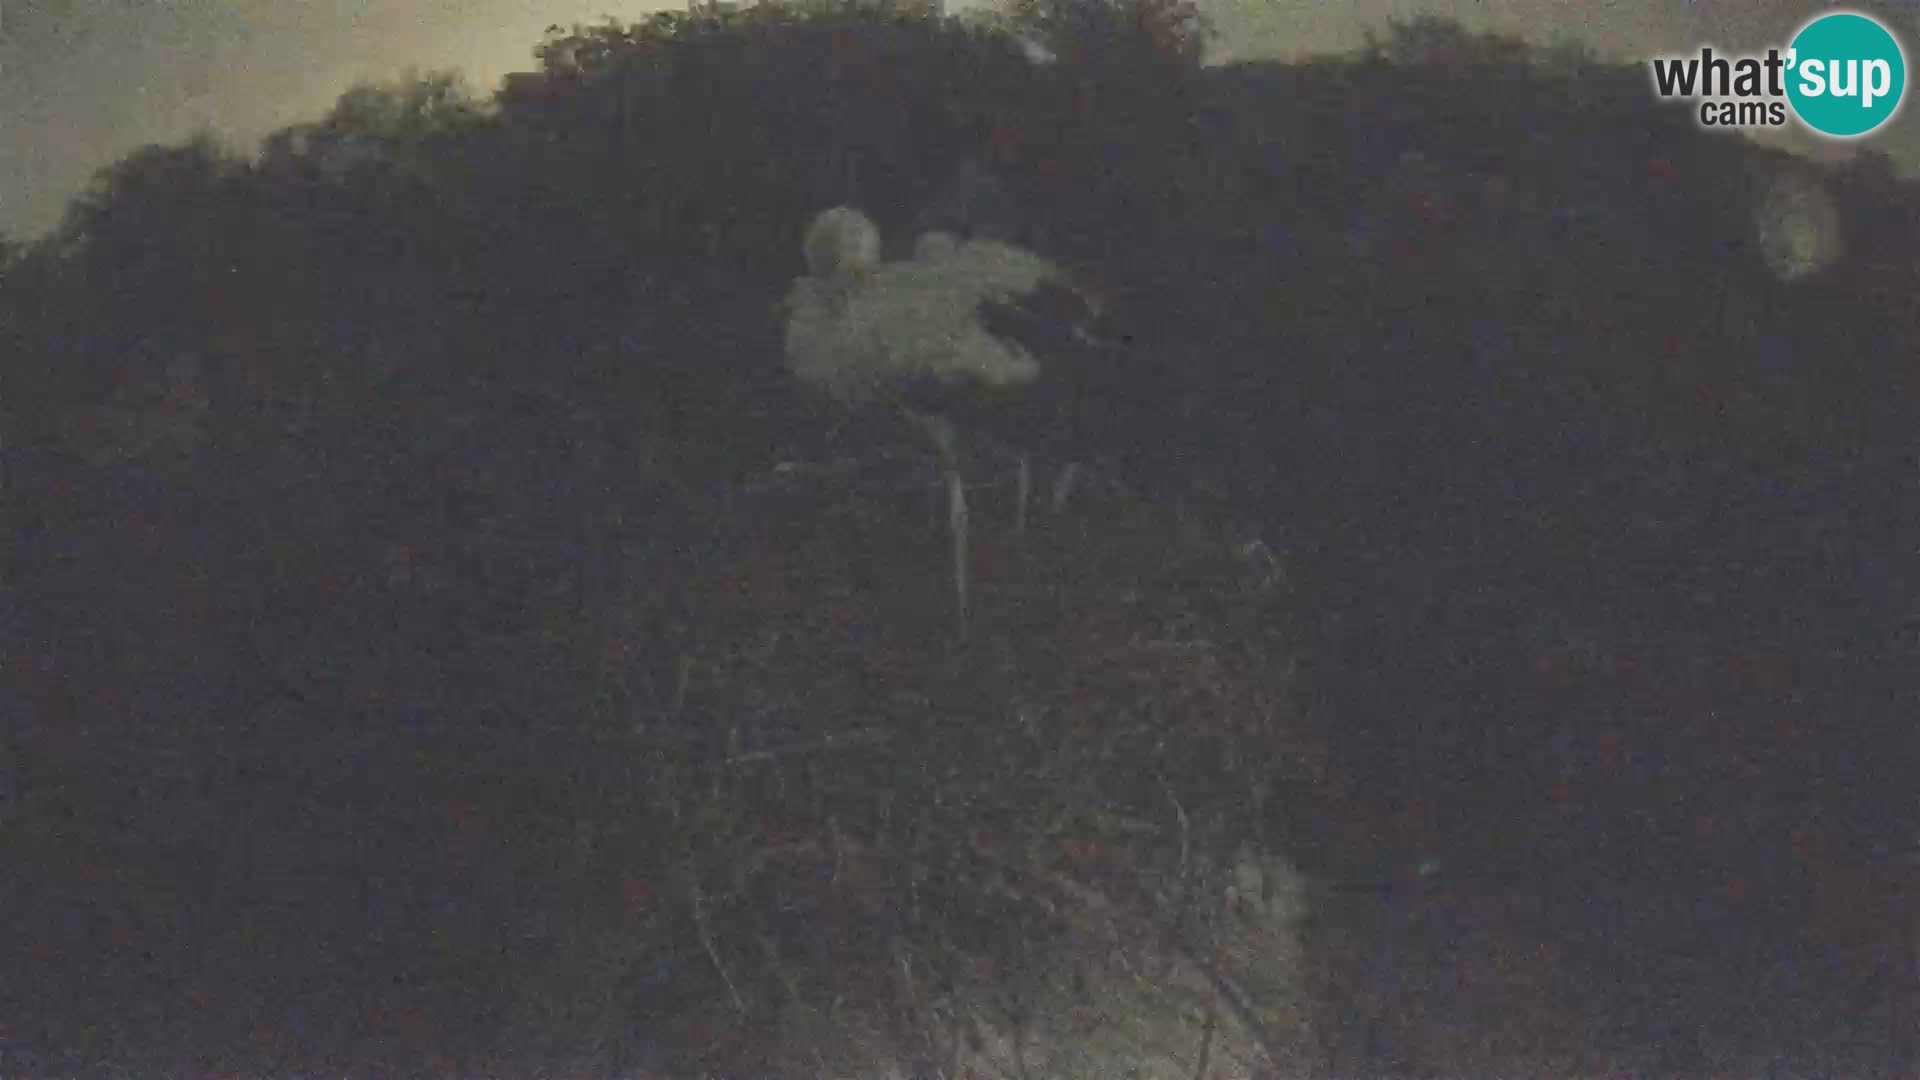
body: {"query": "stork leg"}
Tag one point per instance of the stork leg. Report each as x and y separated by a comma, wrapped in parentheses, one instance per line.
(957, 525)
(1024, 493)
(1063, 486)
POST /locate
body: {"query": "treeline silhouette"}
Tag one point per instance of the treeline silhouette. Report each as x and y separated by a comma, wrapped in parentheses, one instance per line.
(362, 488)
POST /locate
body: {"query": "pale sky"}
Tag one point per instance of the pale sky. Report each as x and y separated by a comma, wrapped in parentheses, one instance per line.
(84, 81)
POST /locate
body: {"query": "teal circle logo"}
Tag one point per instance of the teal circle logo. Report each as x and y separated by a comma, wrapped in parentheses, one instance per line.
(1846, 75)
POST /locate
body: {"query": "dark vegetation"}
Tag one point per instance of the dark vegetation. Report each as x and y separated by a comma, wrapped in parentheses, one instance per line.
(435, 668)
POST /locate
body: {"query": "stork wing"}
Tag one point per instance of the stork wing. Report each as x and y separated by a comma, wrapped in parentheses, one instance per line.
(990, 268)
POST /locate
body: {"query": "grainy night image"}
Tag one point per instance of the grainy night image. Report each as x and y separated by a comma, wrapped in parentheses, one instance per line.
(1068, 539)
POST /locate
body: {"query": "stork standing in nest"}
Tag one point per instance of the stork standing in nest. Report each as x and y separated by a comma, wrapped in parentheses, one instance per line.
(953, 338)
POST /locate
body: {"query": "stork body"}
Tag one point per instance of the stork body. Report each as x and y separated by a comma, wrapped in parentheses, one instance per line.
(932, 336)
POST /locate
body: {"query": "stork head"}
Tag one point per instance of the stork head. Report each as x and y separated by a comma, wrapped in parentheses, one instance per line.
(841, 242)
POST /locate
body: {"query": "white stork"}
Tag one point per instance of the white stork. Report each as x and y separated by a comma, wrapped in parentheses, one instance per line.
(935, 337)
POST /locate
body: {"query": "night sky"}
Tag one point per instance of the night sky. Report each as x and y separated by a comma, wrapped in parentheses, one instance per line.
(84, 81)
